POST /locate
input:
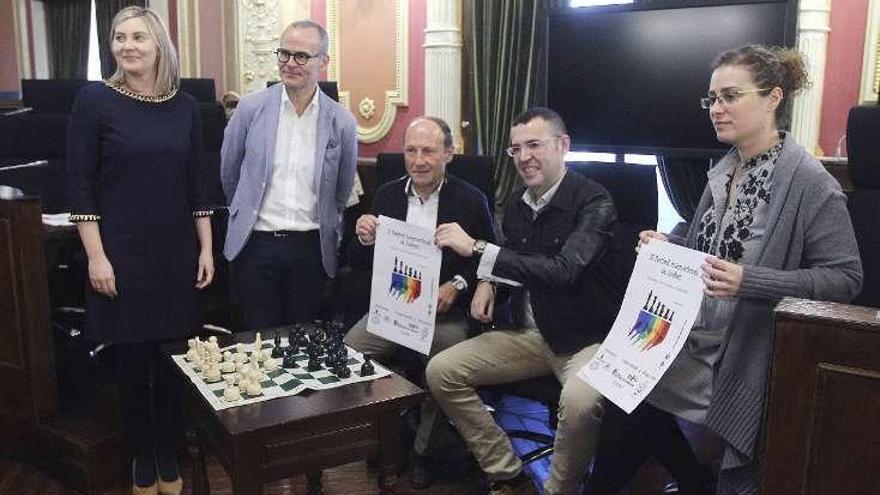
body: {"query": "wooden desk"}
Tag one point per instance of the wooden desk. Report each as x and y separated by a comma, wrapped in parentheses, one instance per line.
(822, 433)
(300, 434)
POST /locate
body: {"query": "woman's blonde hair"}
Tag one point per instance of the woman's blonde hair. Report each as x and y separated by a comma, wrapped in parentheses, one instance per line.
(167, 67)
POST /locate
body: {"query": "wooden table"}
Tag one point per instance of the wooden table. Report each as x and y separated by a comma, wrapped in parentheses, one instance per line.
(300, 434)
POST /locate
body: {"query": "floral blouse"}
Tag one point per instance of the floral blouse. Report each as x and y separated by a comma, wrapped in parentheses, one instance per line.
(733, 226)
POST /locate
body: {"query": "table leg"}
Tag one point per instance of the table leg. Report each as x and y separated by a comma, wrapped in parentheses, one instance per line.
(315, 487)
(200, 485)
(390, 454)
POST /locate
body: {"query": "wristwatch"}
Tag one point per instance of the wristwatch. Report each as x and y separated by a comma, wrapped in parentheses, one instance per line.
(479, 247)
(459, 283)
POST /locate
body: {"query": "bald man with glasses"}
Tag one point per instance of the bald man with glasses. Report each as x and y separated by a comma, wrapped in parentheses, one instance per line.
(289, 161)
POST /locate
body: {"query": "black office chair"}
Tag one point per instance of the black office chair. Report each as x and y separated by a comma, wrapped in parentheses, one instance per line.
(863, 150)
(634, 190)
(202, 89)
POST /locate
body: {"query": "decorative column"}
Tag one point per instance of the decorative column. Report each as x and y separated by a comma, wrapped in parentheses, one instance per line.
(188, 38)
(870, 87)
(814, 23)
(20, 35)
(443, 64)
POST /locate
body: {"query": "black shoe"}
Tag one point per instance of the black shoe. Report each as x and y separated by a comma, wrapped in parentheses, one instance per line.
(519, 485)
(420, 474)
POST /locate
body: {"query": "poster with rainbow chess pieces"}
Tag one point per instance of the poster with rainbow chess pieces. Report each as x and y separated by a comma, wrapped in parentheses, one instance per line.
(403, 295)
(661, 302)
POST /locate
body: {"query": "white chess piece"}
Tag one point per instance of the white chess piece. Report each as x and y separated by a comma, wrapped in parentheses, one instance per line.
(270, 364)
(213, 374)
(232, 394)
(254, 389)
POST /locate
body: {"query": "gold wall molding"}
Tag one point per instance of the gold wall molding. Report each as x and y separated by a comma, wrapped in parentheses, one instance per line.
(870, 87)
(393, 98)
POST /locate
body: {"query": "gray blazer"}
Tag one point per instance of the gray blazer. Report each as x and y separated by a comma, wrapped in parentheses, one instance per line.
(248, 157)
(809, 251)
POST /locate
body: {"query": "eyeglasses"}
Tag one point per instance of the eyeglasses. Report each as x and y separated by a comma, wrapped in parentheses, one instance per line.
(533, 146)
(301, 58)
(727, 97)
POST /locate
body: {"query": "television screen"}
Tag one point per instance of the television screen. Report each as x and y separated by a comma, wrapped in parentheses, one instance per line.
(630, 79)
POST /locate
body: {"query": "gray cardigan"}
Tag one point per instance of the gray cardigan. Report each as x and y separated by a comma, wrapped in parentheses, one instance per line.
(809, 251)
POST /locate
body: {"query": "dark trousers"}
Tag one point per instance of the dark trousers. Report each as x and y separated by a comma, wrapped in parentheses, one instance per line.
(151, 408)
(627, 441)
(280, 279)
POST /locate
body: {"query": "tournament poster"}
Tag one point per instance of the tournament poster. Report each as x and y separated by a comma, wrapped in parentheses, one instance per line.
(406, 274)
(661, 302)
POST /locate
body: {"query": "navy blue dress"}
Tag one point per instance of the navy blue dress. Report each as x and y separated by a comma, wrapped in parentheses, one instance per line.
(136, 166)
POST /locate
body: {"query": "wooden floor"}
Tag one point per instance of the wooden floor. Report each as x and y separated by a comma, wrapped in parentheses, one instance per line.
(460, 477)
(351, 479)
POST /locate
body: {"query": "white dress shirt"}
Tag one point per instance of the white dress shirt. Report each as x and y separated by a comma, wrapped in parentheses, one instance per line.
(423, 213)
(291, 202)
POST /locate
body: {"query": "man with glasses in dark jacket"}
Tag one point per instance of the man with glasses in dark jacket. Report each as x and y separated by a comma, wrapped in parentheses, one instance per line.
(561, 262)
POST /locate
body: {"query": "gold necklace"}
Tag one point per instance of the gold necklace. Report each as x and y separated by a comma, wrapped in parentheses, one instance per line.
(141, 97)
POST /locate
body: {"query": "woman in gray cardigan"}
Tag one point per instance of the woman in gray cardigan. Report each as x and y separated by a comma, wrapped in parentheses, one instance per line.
(774, 223)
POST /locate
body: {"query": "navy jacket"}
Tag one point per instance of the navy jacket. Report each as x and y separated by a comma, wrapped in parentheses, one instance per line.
(459, 202)
(569, 261)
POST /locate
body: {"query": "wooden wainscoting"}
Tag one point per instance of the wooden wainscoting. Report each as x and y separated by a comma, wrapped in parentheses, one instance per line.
(823, 435)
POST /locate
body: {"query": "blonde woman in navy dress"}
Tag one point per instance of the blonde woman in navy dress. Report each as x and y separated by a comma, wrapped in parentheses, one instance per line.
(139, 203)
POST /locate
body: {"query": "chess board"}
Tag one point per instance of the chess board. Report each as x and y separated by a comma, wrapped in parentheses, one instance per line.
(281, 382)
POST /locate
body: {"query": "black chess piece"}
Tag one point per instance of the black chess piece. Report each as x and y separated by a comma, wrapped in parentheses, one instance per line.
(341, 370)
(314, 364)
(288, 361)
(277, 351)
(367, 368)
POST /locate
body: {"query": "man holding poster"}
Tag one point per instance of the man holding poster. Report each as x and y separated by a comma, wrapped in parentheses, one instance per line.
(425, 197)
(564, 267)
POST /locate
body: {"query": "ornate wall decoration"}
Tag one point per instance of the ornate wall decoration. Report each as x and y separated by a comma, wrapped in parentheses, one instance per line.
(367, 108)
(870, 87)
(367, 60)
(258, 36)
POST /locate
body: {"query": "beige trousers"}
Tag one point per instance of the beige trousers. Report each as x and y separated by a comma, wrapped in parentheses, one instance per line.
(450, 329)
(507, 356)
